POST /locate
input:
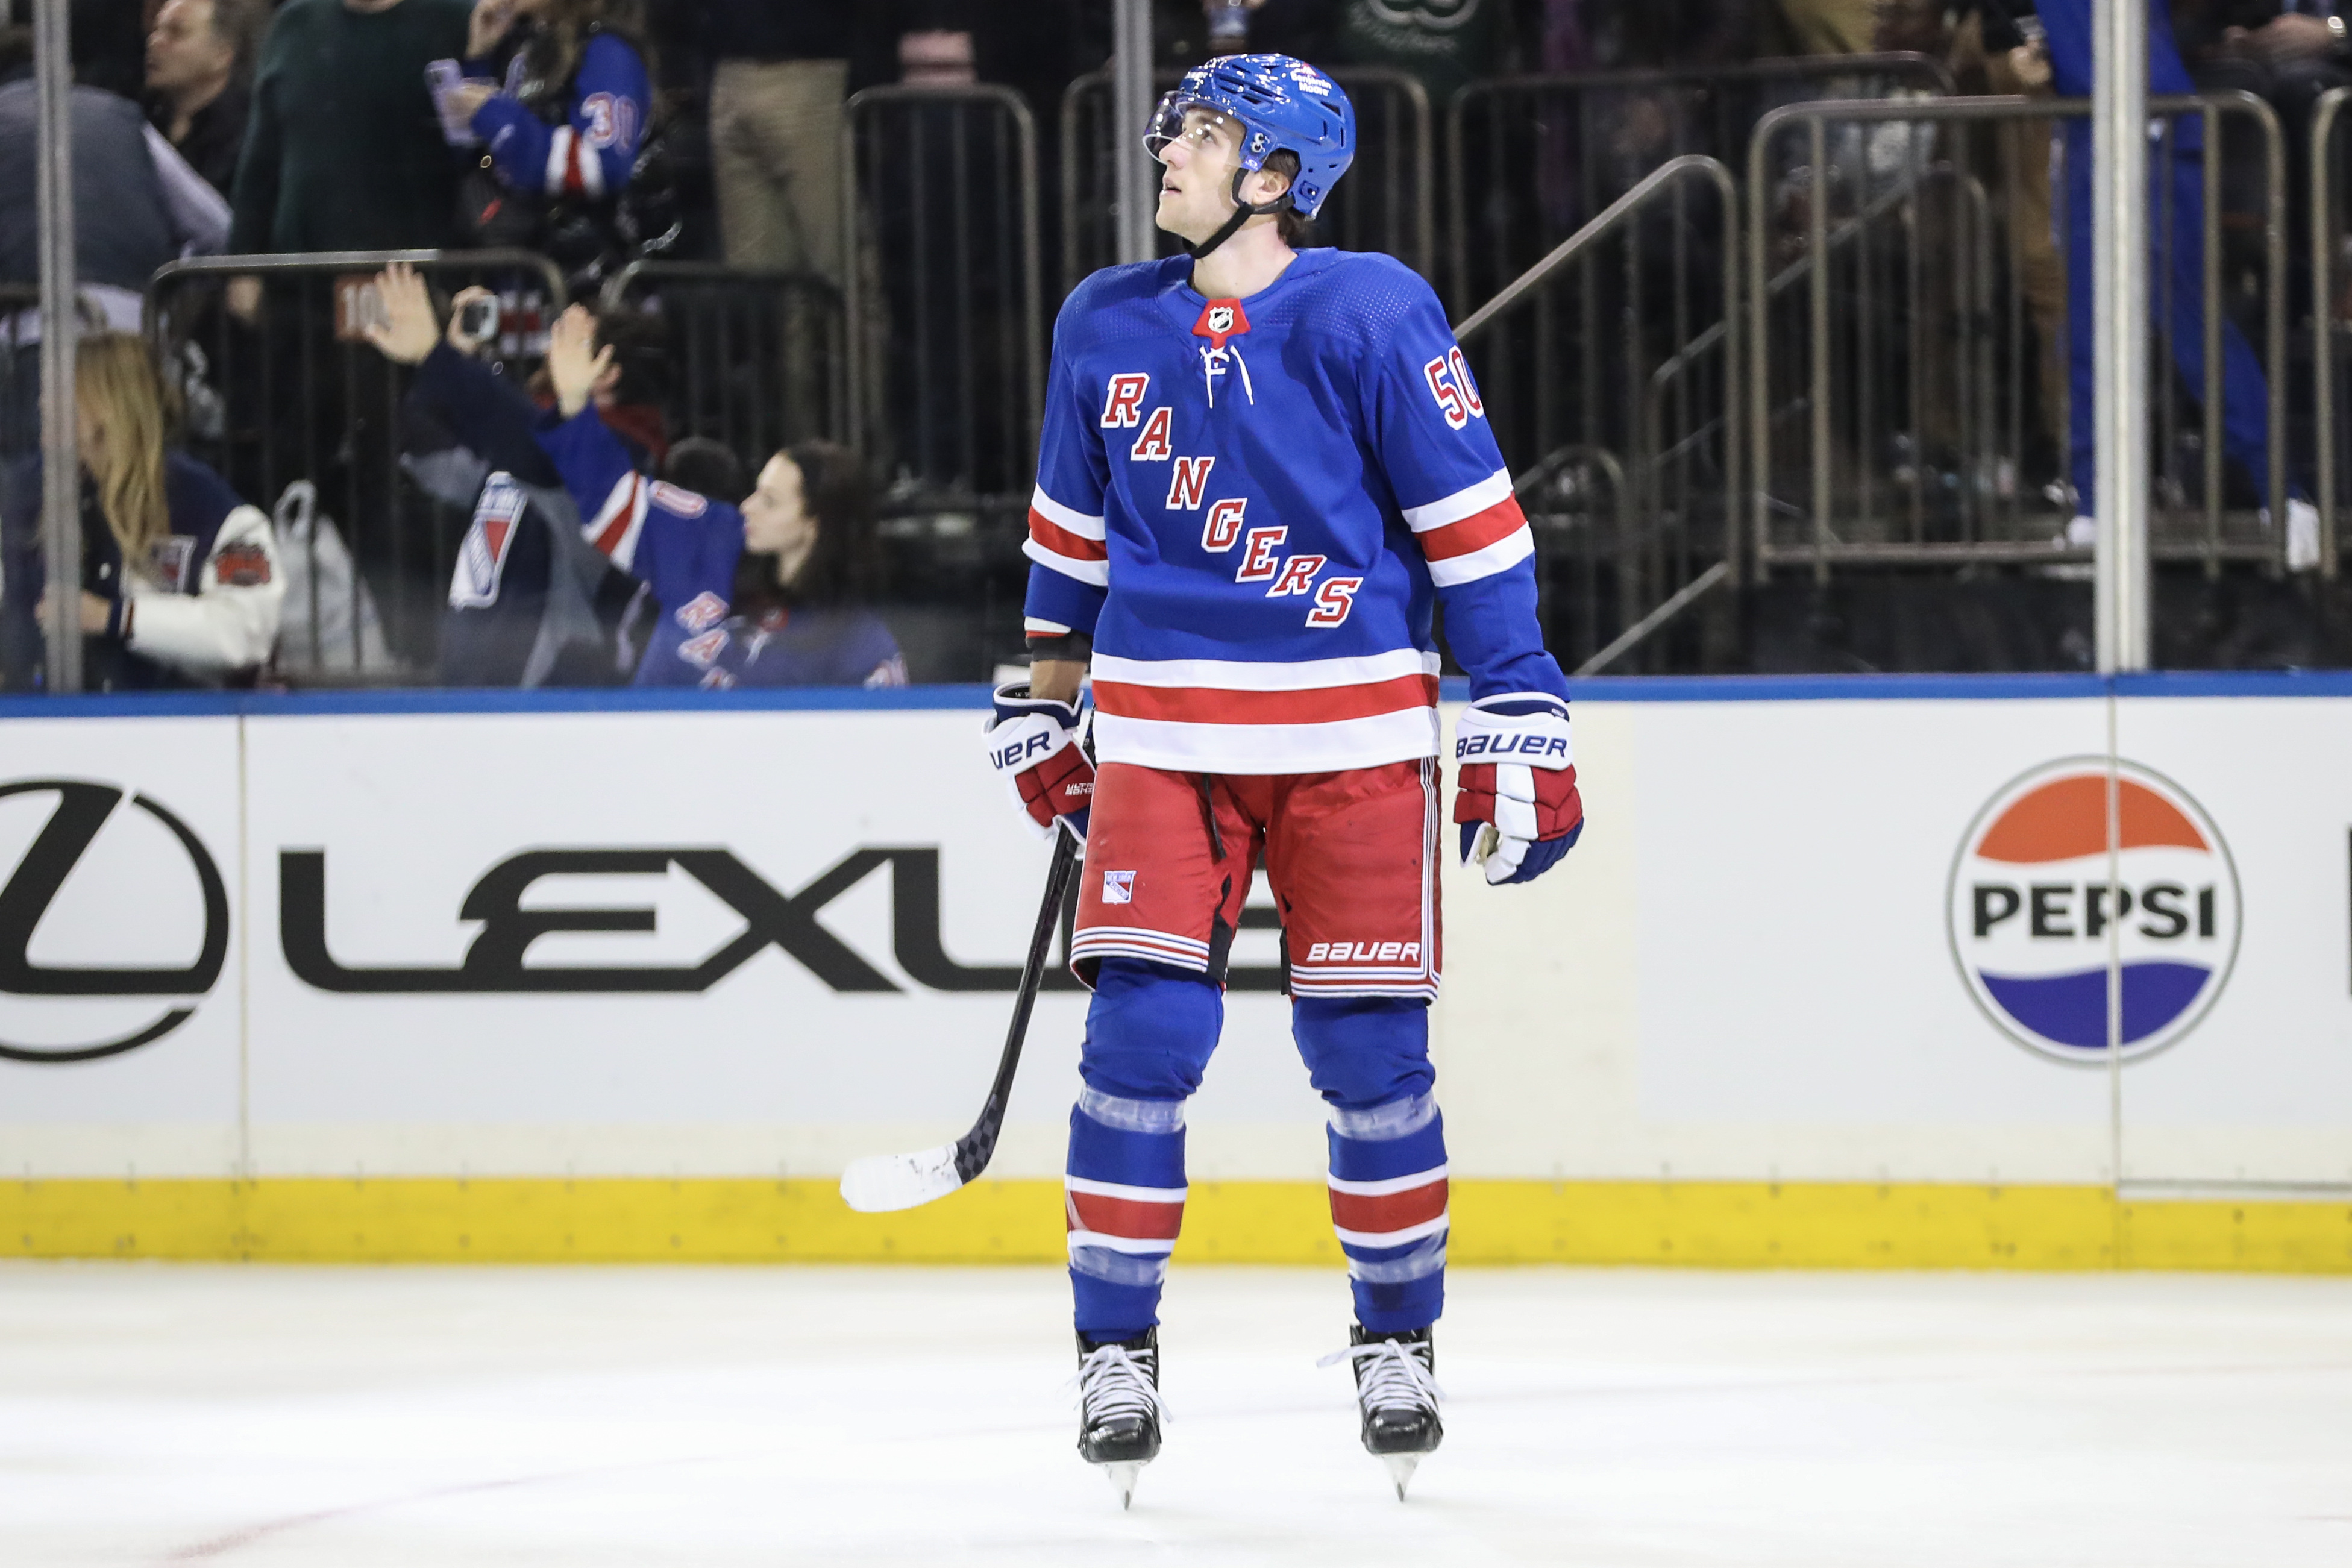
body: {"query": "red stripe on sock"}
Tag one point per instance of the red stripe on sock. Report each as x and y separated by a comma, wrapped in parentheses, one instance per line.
(1123, 1216)
(1390, 1211)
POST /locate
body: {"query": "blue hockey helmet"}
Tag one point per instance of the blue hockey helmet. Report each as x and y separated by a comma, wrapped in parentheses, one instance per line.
(1280, 104)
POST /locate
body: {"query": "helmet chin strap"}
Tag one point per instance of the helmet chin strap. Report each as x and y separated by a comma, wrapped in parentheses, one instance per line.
(1242, 213)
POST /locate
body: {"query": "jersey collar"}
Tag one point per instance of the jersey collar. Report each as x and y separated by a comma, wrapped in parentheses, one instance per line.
(1183, 303)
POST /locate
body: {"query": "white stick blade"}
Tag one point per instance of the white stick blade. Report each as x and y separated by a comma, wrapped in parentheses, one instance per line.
(880, 1183)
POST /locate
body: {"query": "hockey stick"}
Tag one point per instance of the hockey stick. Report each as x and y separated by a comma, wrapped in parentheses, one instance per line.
(880, 1183)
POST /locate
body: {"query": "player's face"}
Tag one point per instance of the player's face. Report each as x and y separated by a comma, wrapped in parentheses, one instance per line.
(776, 520)
(1196, 174)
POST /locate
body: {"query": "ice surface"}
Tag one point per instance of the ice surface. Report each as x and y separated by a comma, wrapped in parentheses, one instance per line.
(594, 1418)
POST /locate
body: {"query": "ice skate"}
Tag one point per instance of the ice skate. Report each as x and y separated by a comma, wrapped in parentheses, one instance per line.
(1120, 1409)
(1397, 1392)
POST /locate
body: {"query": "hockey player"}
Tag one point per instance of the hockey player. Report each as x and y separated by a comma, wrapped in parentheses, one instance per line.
(1261, 469)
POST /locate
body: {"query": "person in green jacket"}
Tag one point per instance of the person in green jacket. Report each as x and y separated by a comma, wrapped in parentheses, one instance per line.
(344, 150)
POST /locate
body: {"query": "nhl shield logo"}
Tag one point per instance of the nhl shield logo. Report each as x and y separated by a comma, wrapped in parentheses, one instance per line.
(1220, 320)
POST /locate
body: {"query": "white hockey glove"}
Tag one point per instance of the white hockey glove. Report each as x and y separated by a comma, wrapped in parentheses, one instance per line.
(1516, 770)
(1032, 744)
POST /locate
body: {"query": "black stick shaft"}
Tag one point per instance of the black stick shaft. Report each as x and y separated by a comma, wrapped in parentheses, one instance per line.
(975, 1148)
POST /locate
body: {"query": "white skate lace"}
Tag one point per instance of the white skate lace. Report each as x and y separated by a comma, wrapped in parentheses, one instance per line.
(1111, 1383)
(1391, 1376)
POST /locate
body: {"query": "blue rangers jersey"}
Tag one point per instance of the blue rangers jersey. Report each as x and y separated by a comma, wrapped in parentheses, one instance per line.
(1253, 506)
(592, 154)
(684, 547)
(681, 545)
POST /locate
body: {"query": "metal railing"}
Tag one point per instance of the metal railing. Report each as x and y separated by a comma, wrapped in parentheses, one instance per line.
(759, 359)
(1386, 202)
(1849, 382)
(2330, 322)
(1530, 159)
(300, 414)
(1895, 383)
(1091, 144)
(1673, 486)
(946, 382)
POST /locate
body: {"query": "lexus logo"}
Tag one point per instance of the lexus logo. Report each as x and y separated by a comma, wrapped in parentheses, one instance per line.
(494, 962)
(83, 809)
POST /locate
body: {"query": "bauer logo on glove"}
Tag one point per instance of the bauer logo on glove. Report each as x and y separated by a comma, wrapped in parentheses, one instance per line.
(1517, 746)
(1518, 816)
(1033, 745)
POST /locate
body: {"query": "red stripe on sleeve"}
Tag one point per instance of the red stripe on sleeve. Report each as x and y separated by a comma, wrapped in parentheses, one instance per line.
(1393, 1211)
(1474, 532)
(618, 529)
(1062, 542)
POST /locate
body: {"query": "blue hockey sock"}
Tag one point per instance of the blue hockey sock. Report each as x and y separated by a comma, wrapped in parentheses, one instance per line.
(1150, 1031)
(1370, 1058)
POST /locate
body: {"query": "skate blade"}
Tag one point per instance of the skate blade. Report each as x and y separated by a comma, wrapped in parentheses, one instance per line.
(1401, 1469)
(1122, 1474)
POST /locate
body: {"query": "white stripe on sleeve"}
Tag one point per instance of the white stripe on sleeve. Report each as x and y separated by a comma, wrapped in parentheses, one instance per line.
(1500, 556)
(1064, 517)
(559, 159)
(1096, 573)
(1496, 487)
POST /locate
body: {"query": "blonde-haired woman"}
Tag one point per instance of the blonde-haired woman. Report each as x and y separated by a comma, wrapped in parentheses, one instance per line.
(178, 581)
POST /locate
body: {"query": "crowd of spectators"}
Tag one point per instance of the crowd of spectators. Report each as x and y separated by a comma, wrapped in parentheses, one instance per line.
(595, 132)
(377, 124)
(591, 553)
(316, 119)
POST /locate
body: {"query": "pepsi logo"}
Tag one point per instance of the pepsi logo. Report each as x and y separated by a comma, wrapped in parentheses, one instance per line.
(2035, 910)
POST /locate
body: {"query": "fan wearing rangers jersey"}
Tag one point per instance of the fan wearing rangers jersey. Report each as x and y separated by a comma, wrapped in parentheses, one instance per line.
(544, 136)
(1262, 471)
